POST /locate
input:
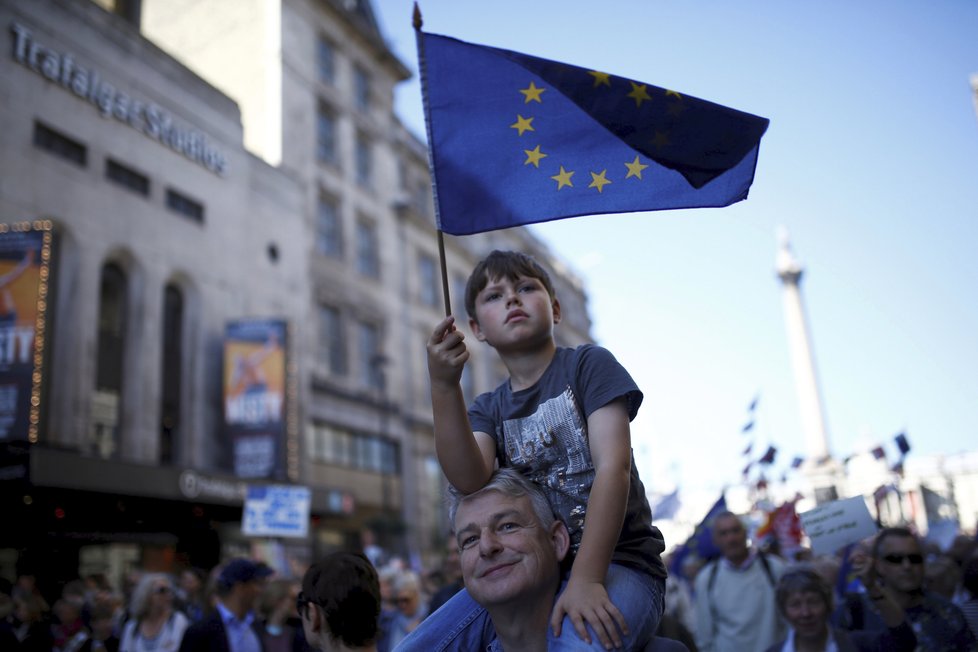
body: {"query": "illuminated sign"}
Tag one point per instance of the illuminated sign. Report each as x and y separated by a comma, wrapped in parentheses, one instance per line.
(86, 83)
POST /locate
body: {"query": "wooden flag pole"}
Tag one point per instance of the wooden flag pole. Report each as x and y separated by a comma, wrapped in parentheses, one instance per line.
(417, 22)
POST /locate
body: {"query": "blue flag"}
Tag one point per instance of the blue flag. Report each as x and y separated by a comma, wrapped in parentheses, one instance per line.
(516, 139)
(700, 545)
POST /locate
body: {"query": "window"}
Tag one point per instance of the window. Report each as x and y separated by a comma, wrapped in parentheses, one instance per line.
(60, 145)
(326, 135)
(355, 450)
(368, 256)
(370, 358)
(325, 60)
(179, 203)
(106, 400)
(172, 373)
(364, 161)
(329, 231)
(127, 177)
(361, 88)
(332, 343)
(422, 194)
(428, 280)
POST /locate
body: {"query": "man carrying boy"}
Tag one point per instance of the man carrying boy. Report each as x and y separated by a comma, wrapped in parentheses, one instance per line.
(562, 420)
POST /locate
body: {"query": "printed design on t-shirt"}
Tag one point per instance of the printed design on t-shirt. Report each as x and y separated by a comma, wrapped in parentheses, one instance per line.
(550, 447)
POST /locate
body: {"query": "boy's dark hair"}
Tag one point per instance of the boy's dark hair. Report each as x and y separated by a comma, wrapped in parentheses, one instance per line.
(503, 264)
(888, 532)
(345, 586)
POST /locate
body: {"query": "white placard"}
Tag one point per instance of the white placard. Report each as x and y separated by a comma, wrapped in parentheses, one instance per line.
(276, 511)
(837, 524)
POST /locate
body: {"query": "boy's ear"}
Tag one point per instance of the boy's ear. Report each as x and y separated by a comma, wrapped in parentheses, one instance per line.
(315, 617)
(556, 305)
(474, 327)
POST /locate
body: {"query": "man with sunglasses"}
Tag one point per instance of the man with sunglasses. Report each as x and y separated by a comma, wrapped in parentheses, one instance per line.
(899, 563)
(340, 603)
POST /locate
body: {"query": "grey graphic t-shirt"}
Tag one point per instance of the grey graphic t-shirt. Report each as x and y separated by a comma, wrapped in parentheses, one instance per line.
(542, 432)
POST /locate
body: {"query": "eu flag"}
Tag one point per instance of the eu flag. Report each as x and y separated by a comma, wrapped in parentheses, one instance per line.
(516, 139)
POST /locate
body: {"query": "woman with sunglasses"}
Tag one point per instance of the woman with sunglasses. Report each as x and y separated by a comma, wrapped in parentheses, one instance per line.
(154, 625)
(804, 600)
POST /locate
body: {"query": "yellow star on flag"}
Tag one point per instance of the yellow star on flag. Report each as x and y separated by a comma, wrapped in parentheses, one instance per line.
(674, 94)
(533, 156)
(600, 78)
(661, 139)
(639, 93)
(564, 178)
(522, 124)
(532, 93)
(635, 169)
(599, 180)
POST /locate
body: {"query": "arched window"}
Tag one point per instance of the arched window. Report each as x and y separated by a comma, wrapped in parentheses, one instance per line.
(172, 351)
(106, 399)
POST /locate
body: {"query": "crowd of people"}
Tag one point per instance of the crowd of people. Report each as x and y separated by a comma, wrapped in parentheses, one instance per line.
(894, 592)
(554, 545)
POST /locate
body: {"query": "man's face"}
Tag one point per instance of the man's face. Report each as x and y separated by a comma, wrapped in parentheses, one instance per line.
(730, 537)
(514, 312)
(506, 553)
(900, 564)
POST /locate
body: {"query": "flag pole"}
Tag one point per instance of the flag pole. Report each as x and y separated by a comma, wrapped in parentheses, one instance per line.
(418, 22)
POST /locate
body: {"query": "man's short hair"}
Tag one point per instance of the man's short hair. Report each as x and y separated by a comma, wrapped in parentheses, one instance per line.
(240, 571)
(503, 264)
(802, 579)
(344, 585)
(889, 532)
(508, 482)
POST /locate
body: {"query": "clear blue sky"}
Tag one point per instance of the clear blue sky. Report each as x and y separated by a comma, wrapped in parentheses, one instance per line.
(871, 162)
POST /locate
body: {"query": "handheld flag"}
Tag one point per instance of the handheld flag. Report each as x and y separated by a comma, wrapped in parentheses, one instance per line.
(700, 544)
(879, 453)
(768, 457)
(902, 443)
(667, 507)
(514, 139)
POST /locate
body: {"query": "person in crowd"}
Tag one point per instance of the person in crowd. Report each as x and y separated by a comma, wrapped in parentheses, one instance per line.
(451, 579)
(969, 584)
(8, 640)
(942, 576)
(898, 560)
(102, 621)
(340, 603)
(275, 606)
(231, 626)
(32, 627)
(154, 624)
(410, 611)
(68, 630)
(563, 420)
(190, 594)
(735, 606)
(511, 547)
(805, 600)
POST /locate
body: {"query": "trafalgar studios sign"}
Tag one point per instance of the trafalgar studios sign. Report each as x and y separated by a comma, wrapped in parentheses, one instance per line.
(85, 82)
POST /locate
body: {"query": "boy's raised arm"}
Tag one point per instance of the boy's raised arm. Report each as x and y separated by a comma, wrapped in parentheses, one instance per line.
(466, 458)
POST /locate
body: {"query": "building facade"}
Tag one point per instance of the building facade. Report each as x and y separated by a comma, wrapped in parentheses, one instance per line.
(201, 164)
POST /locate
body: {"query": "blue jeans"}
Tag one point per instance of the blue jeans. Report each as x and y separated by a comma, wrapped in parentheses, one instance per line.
(461, 625)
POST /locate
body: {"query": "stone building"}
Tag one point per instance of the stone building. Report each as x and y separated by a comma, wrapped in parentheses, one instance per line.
(201, 163)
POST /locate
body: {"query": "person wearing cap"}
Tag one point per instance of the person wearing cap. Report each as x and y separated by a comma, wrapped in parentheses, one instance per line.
(340, 603)
(232, 626)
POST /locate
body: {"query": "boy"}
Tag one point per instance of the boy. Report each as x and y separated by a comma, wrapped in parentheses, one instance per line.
(562, 419)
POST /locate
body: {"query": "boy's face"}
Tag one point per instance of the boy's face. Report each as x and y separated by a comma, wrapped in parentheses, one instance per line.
(514, 313)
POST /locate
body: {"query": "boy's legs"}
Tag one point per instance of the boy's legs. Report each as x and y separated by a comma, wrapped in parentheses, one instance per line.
(459, 625)
(637, 595)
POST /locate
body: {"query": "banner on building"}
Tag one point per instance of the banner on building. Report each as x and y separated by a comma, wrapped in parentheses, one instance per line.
(255, 379)
(25, 254)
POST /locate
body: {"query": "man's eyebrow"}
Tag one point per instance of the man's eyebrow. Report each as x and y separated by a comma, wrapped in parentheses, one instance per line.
(493, 519)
